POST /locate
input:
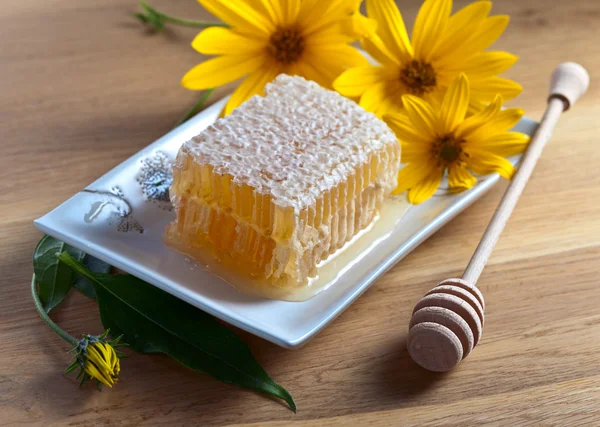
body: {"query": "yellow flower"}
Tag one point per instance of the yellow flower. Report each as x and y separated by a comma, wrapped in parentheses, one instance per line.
(97, 358)
(436, 140)
(268, 37)
(442, 46)
(102, 363)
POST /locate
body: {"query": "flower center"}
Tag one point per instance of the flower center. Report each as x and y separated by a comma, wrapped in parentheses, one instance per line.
(419, 77)
(286, 45)
(448, 150)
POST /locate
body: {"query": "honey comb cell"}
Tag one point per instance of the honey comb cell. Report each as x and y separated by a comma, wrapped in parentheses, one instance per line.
(282, 183)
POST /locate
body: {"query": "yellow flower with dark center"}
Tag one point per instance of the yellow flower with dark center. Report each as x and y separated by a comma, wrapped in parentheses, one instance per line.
(102, 363)
(442, 46)
(440, 139)
(309, 38)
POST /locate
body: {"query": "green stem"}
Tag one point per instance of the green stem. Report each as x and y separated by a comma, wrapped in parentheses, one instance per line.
(154, 15)
(197, 106)
(38, 304)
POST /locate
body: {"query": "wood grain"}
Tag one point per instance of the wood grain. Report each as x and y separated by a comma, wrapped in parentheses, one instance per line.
(84, 87)
(435, 341)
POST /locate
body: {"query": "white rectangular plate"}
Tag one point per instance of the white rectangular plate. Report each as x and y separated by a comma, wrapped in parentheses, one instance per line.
(106, 220)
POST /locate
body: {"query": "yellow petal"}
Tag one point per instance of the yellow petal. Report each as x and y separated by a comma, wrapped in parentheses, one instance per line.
(354, 5)
(289, 11)
(331, 61)
(381, 98)
(484, 90)
(311, 72)
(455, 103)
(363, 26)
(417, 153)
(240, 15)
(97, 373)
(268, 7)
(334, 34)
(505, 144)
(345, 7)
(112, 358)
(327, 13)
(467, 127)
(429, 27)
(105, 353)
(424, 118)
(355, 81)
(436, 96)
(253, 84)
(390, 27)
(425, 188)
(319, 10)
(375, 98)
(486, 64)
(223, 41)
(483, 163)
(444, 78)
(487, 32)
(93, 354)
(97, 367)
(406, 131)
(343, 55)
(411, 175)
(377, 49)
(219, 71)
(307, 10)
(460, 27)
(499, 123)
(459, 178)
(475, 107)
(291, 69)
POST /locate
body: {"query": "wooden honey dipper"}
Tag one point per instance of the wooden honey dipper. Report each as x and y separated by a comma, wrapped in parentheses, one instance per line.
(447, 322)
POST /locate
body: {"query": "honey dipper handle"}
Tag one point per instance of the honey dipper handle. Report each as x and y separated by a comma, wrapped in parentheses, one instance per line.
(569, 81)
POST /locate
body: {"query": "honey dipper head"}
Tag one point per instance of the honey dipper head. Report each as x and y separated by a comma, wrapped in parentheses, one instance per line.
(446, 324)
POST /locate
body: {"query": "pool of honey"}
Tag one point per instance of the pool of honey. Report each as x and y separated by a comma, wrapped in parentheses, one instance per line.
(328, 271)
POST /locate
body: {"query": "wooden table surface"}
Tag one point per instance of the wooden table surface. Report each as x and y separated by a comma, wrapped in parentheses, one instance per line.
(84, 87)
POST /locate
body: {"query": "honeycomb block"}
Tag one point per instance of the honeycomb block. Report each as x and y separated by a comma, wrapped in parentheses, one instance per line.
(282, 182)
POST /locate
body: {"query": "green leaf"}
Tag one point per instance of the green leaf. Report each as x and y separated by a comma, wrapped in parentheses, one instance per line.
(82, 284)
(152, 320)
(54, 279)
